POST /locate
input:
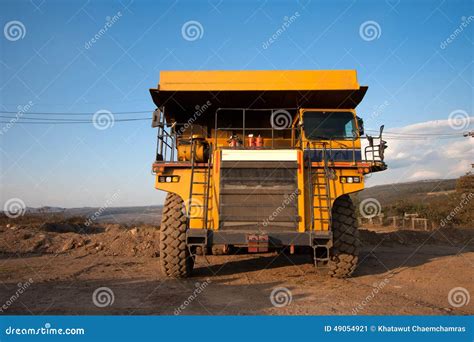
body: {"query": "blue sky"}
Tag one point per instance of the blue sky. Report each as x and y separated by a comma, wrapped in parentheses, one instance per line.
(415, 77)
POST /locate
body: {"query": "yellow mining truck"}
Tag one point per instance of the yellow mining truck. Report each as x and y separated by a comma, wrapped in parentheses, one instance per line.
(261, 160)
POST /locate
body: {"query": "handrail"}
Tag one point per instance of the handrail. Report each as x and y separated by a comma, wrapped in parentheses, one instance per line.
(244, 128)
(169, 134)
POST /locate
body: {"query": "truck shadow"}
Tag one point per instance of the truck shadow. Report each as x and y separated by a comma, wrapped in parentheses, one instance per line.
(380, 253)
(233, 264)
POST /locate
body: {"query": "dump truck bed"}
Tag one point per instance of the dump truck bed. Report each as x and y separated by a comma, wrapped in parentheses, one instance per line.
(181, 91)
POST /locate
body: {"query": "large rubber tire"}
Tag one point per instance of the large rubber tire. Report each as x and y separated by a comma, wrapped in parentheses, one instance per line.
(345, 251)
(175, 259)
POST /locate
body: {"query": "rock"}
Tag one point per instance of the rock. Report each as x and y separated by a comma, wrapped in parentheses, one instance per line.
(26, 236)
(134, 231)
(68, 245)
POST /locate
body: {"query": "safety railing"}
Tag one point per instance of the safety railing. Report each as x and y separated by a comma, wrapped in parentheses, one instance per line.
(280, 120)
(169, 134)
(375, 151)
(166, 140)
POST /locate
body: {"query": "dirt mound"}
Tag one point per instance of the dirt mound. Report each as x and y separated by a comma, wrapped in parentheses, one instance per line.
(65, 227)
(57, 238)
(143, 241)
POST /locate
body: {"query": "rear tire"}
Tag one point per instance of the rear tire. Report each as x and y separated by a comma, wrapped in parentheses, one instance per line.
(345, 251)
(175, 259)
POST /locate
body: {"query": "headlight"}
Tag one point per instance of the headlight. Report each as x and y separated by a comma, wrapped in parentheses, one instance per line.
(350, 179)
(168, 179)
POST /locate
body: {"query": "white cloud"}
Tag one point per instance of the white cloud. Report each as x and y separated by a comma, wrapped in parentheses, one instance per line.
(424, 174)
(413, 157)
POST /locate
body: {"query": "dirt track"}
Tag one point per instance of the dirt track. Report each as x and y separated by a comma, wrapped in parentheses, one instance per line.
(394, 277)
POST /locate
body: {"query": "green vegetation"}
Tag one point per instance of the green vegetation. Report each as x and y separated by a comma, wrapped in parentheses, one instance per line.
(447, 203)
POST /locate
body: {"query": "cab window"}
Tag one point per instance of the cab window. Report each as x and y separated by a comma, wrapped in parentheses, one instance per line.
(320, 125)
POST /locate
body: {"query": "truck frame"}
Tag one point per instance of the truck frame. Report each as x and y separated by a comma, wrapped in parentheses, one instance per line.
(261, 160)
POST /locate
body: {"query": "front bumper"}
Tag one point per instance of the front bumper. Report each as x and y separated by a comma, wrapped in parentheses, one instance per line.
(199, 237)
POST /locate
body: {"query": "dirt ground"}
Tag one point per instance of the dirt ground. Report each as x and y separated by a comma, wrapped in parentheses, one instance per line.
(59, 266)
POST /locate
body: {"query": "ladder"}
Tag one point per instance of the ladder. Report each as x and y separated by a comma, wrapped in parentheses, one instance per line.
(321, 192)
(199, 192)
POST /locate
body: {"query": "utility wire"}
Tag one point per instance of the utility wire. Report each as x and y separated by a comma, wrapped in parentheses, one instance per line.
(414, 134)
(21, 122)
(75, 113)
(63, 119)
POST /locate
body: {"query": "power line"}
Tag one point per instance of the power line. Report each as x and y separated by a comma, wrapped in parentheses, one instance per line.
(22, 122)
(415, 134)
(63, 119)
(74, 113)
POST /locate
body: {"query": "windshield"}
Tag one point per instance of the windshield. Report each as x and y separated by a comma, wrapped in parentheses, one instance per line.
(328, 125)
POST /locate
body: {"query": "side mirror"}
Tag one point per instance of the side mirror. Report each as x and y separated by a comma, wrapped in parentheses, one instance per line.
(156, 116)
(360, 125)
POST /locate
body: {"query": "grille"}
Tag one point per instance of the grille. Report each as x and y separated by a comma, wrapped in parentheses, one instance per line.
(258, 195)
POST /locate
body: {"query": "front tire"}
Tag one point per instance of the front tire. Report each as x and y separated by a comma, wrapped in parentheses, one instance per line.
(345, 250)
(175, 258)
